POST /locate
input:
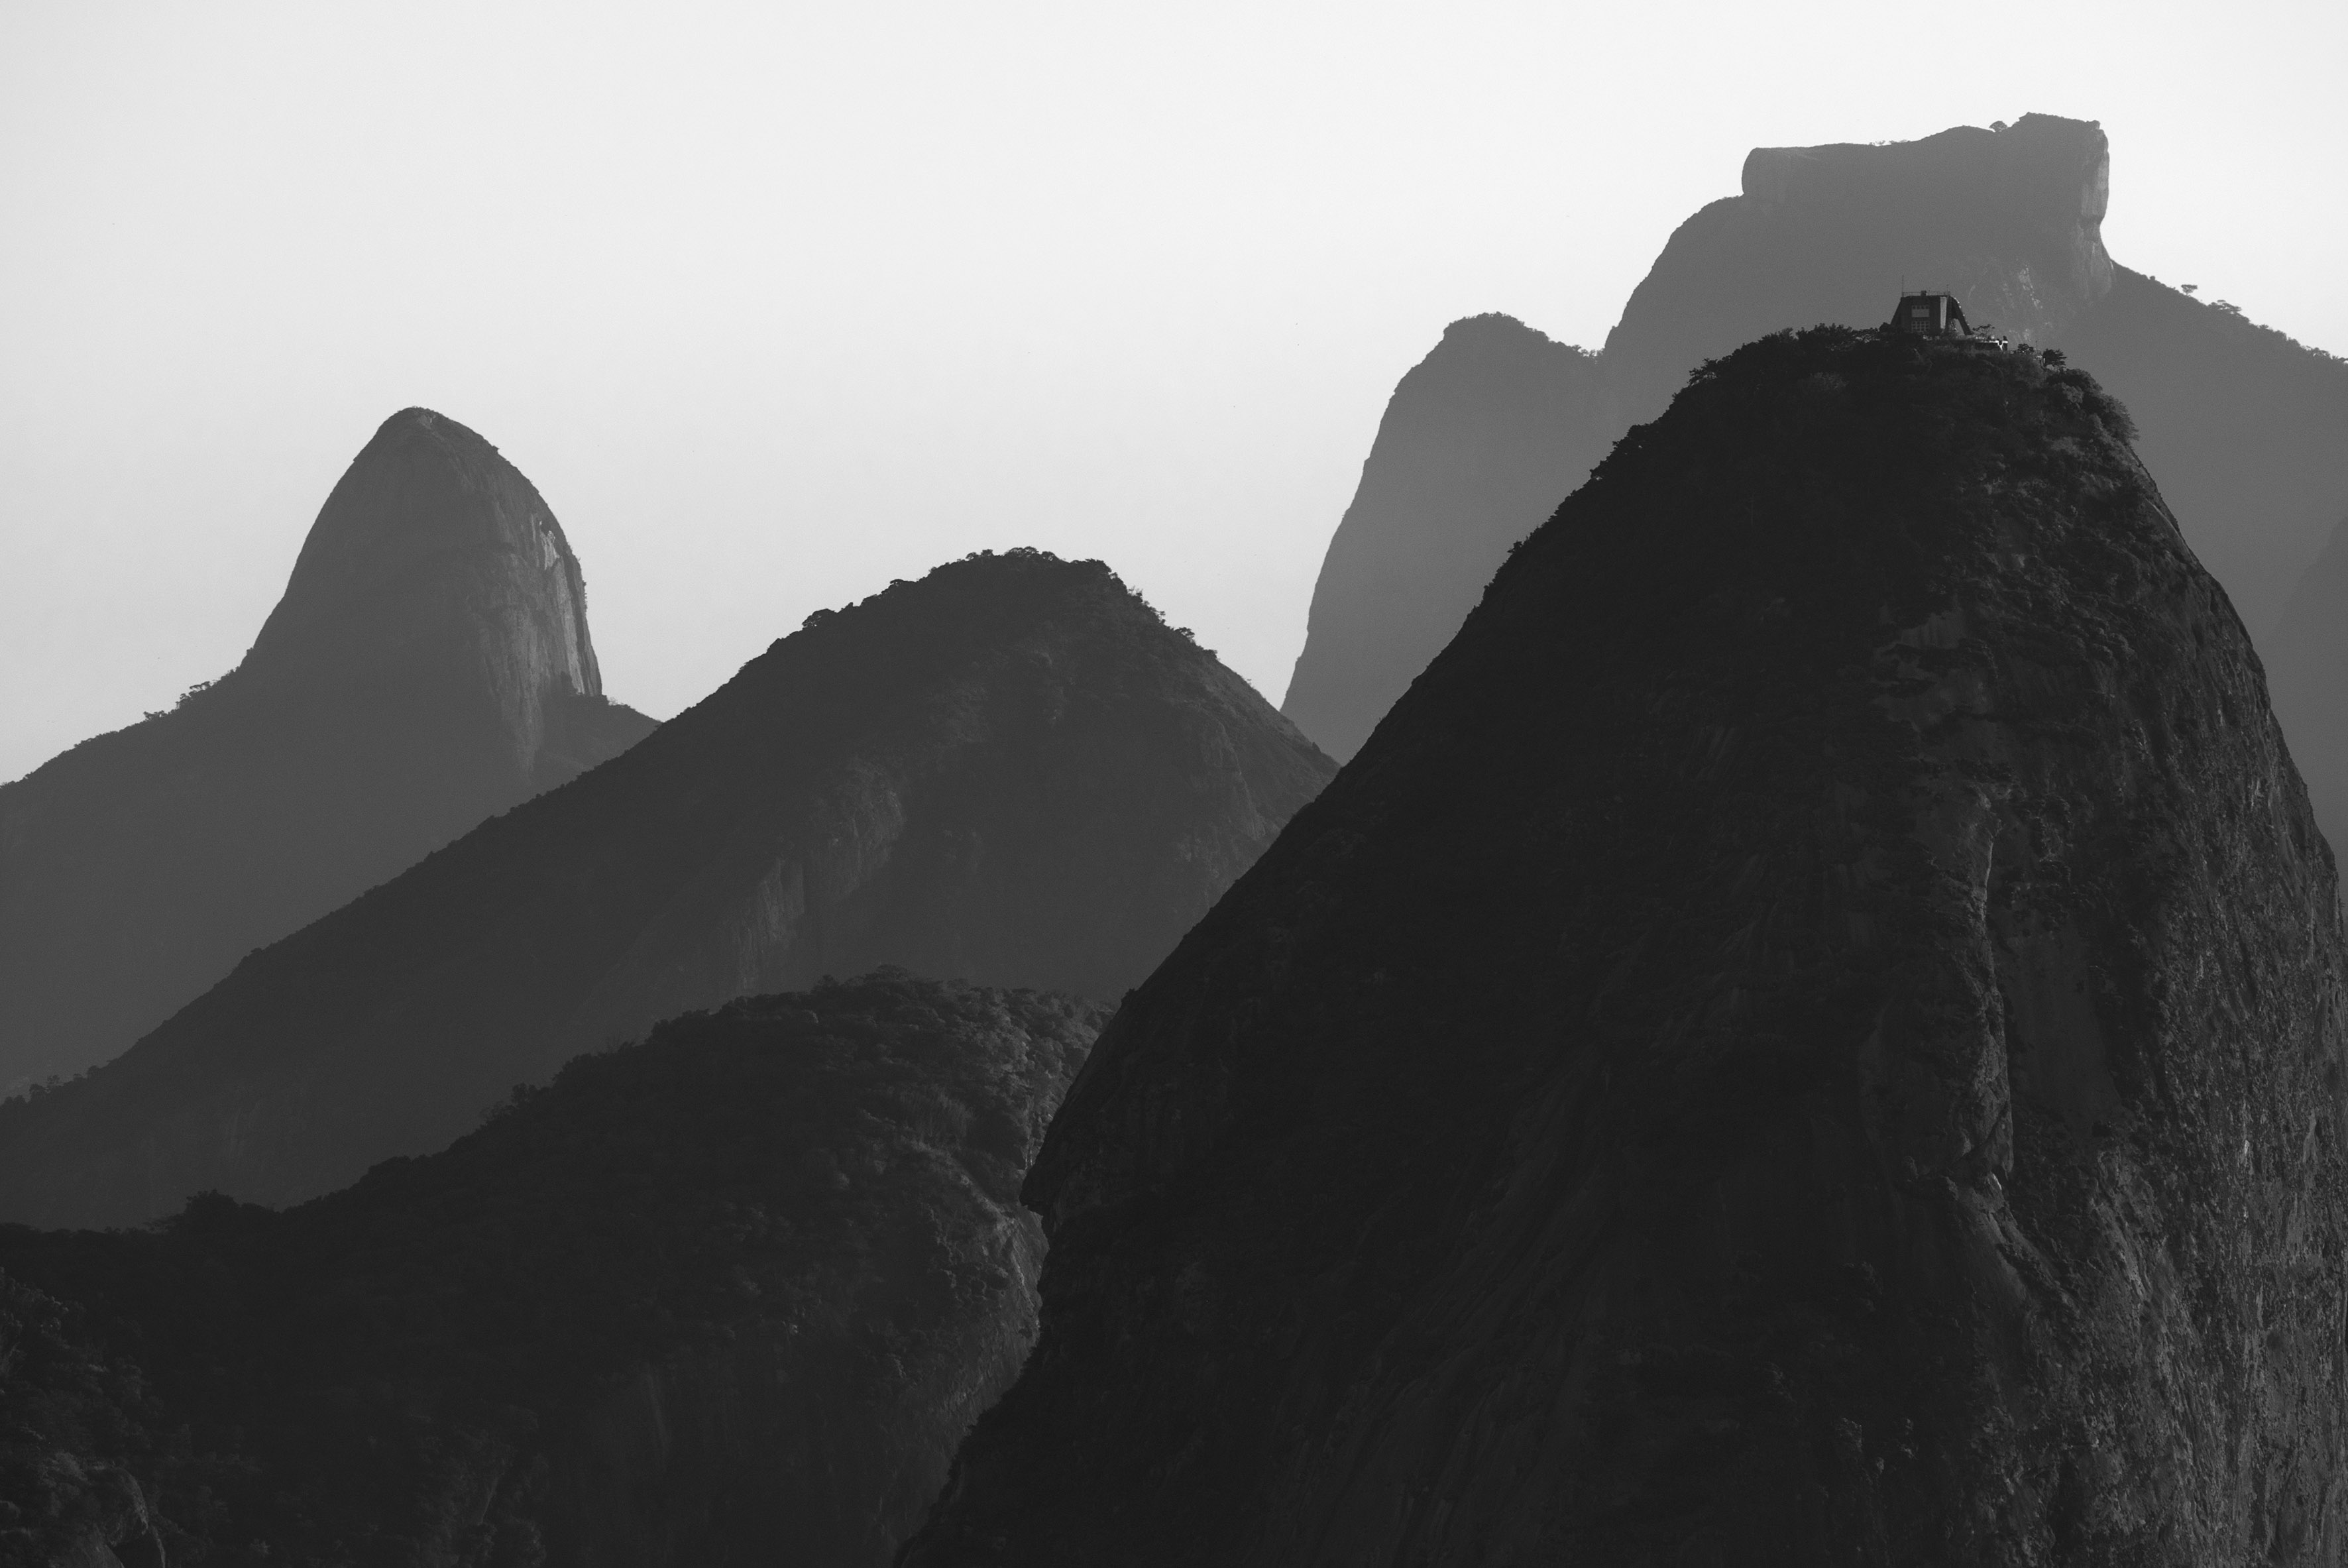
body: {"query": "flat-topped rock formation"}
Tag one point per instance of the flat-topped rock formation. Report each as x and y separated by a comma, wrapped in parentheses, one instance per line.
(1011, 771)
(1809, 1035)
(429, 666)
(2245, 430)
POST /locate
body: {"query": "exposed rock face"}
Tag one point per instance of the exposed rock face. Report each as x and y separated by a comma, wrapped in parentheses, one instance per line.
(1481, 441)
(2307, 663)
(731, 1295)
(73, 1415)
(429, 666)
(1011, 771)
(2246, 431)
(1812, 1034)
(2010, 221)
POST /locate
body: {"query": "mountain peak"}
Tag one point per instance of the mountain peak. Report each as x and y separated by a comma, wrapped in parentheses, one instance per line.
(436, 563)
(429, 666)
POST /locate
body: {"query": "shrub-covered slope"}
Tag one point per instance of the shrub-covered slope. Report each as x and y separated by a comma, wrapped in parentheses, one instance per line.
(1812, 1034)
(726, 1296)
(429, 666)
(1011, 771)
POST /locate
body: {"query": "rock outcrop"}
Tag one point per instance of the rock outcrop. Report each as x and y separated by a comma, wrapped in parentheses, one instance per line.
(1480, 441)
(1812, 1034)
(429, 666)
(2245, 430)
(729, 1296)
(1011, 771)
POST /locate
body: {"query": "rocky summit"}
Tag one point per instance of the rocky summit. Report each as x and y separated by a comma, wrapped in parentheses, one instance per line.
(1480, 441)
(429, 666)
(1011, 771)
(727, 1296)
(1811, 1034)
(2245, 430)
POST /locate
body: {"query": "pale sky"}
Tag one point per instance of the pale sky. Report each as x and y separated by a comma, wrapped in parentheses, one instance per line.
(777, 303)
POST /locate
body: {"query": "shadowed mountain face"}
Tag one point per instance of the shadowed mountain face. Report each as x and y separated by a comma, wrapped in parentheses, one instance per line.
(1011, 771)
(728, 1296)
(1481, 441)
(428, 667)
(2246, 431)
(1809, 1035)
(2307, 663)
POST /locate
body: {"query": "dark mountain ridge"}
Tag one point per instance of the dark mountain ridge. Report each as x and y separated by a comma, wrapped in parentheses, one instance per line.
(1481, 440)
(729, 1296)
(429, 666)
(1809, 1035)
(1011, 771)
(2245, 430)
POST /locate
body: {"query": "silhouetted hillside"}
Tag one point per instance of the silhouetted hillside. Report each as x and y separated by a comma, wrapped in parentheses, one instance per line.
(1809, 1035)
(1481, 441)
(428, 667)
(2307, 663)
(726, 1296)
(2245, 430)
(1010, 771)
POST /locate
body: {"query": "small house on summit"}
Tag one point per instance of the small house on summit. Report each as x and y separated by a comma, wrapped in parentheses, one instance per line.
(1931, 316)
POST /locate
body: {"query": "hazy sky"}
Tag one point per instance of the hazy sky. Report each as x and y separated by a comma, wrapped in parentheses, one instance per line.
(777, 303)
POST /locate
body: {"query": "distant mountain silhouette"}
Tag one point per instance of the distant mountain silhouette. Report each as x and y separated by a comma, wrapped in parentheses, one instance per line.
(2307, 663)
(730, 1295)
(1809, 1035)
(429, 666)
(1481, 441)
(1011, 771)
(2246, 431)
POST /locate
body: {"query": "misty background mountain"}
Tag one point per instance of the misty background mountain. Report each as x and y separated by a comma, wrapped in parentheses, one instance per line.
(1011, 771)
(2245, 430)
(429, 666)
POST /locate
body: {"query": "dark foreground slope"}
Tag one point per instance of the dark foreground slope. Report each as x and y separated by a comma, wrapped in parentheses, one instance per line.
(1810, 1034)
(1479, 443)
(429, 666)
(1011, 771)
(727, 1296)
(2245, 430)
(2307, 664)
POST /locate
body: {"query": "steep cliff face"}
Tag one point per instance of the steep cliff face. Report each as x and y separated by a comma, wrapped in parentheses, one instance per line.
(2010, 221)
(2307, 663)
(1480, 441)
(2245, 430)
(1811, 1034)
(727, 1296)
(429, 666)
(1011, 771)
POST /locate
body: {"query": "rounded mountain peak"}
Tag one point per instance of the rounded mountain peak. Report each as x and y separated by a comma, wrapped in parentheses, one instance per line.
(434, 558)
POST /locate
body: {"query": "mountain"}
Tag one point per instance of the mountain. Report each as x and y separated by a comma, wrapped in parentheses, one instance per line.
(2307, 663)
(1481, 441)
(729, 1296)
(1808, 1036)
(2245, 430)
(1011, 771)
(428, 667)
